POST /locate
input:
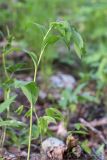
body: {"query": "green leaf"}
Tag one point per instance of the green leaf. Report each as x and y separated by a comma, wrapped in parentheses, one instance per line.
(33, 57)
(11, 50)
(10, 38)
(100, 149)
(65, 97)
(79, 126)
(102, 74)
(19, 110)
(28, 113)
(51, 40)
(19, 83)
(64, 29)
(79, 132)
(40, 27)
(63, 102)
(29, 89)
(6, 104)
(86, 96)
(44, 122)
(78, 39)
(85, 147)
(79, 88)
(69, 34)
(15, 67)
(35, 132)
(11, 123)
(53, 112)
(42, 125)
(8, 84)
(78, 43)
(49, 119)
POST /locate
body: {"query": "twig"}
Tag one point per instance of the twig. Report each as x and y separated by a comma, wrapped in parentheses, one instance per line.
(88, 125)
(100, 122)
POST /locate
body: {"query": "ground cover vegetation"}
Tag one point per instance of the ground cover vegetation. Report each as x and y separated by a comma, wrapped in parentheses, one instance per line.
(53, 80)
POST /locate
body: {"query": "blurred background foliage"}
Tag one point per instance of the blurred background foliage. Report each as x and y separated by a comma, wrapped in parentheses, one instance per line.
(89, 16)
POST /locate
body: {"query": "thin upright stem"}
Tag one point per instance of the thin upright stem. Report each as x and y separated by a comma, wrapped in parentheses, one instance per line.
(38, 124)
(41, 53)
(31, 116)
(30, 132)
(31, 106)
(3, 137)
(6, 95)
(35, 72)
(43, 49)
(4, 66)
(47, 33)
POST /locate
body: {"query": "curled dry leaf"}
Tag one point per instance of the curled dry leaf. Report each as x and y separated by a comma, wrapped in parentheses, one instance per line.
(71, 142)
(72, 146)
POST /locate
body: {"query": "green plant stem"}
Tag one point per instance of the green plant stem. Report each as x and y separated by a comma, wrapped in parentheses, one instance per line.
(3, 137)
(35, 72)
(4, 66)
(6, 95)
(43, 49)
(38, 124)
(30, 132)
(34, 79)
(41, 53)
(31, 115)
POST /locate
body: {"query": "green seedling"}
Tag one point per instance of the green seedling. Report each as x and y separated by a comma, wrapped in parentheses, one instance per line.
(68, 34)
(57, 31)
(72, 97)
(7, 89)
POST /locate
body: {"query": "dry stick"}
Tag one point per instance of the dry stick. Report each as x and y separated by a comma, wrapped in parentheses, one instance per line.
(88, 125)
(100, 122)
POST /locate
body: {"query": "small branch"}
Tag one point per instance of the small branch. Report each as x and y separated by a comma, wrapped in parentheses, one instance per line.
(88, 125)
(100, 122)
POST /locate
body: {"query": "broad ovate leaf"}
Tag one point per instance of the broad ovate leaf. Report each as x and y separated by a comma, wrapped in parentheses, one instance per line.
(51, 39)
(44, 122)
(85, 147)
(20, 83)
(29, 89)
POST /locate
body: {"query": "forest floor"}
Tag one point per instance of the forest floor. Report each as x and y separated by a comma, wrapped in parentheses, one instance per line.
(91, 115)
